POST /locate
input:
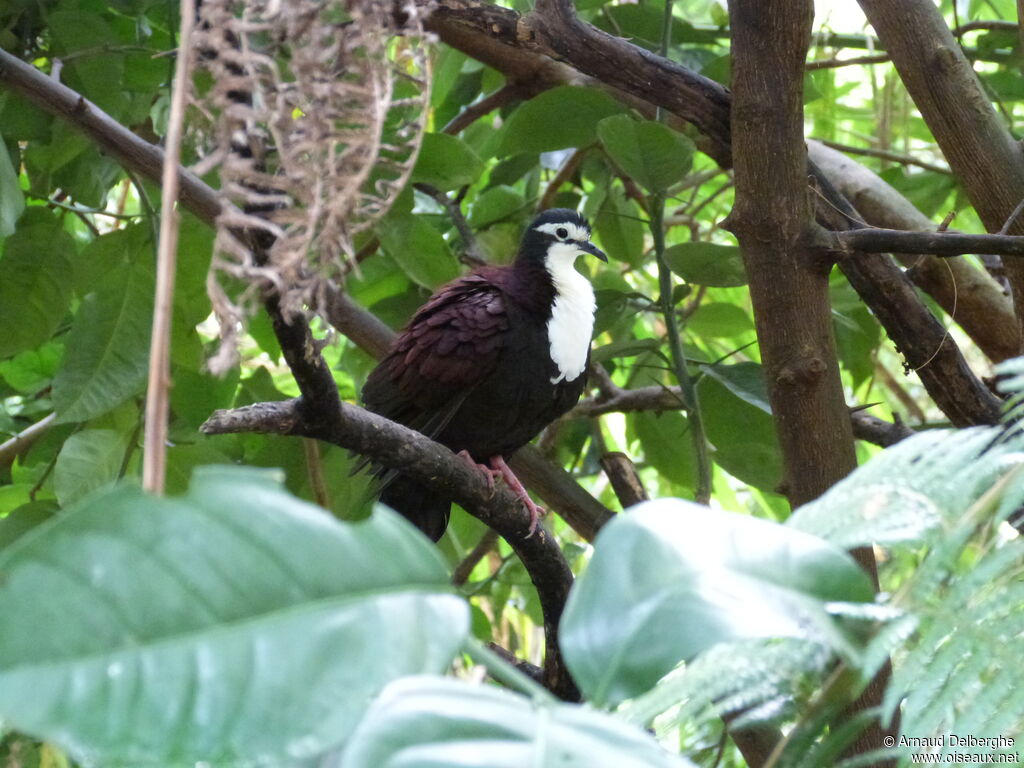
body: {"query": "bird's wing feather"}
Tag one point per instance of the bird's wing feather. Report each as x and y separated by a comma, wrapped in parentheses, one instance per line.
(452, 344)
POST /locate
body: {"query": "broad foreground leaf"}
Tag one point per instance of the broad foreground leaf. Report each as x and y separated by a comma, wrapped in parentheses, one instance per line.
(671, 579)
(431, 722)
(233, 624)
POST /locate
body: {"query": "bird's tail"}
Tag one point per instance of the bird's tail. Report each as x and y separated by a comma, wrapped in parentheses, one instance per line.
(421, 506)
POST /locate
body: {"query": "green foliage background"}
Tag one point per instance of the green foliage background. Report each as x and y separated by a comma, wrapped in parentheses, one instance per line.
(233, 622)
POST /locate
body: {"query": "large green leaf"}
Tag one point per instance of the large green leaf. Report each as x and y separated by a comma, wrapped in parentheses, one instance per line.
(100, 260)
(707, 264)
(446, 162)
(562, 117)
(233, 625)
(497, 203)
(88, 460)
(620, 228)
(418, 249)
(670, 579)
(667, 445)
(653, 155)
(34, 288)
(739, 425)
(719, 320)
(433, 722)
(108, 349)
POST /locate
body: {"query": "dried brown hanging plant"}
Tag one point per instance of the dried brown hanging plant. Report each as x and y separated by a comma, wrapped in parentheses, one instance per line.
(317, 110)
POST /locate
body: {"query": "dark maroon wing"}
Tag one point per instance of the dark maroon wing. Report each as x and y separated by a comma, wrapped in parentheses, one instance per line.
(451, 344)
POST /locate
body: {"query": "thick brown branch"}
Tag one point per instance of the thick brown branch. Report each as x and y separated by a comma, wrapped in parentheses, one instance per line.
(112, 137)
(499, 37)
(625, 480)
(926, 345)
(943, 244)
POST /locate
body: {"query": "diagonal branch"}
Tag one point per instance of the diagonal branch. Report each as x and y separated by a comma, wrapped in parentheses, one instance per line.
(399, 447)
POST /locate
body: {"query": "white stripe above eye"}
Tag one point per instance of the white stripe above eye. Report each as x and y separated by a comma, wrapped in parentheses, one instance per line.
(576, 232)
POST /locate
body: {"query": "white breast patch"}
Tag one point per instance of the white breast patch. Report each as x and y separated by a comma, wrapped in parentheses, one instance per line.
(572, 316)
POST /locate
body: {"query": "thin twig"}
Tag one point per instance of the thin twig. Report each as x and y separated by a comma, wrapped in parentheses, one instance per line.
(880, 58)
(984, 26)
(884, 154)
(81, 210)
(154, 454)
(702, 493)
(564, 174)
(461, 573)
(470, 250)
(504, 95)
(1014, 215)
(24, 440)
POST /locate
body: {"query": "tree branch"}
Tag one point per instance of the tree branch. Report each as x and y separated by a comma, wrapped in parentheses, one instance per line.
(885, 154)
(395, 446)
(112, 137)
(943, 244)
(504, 95)
(968, 294)
(515, 45)
(24, 440)
(624, 478)
(981, 151)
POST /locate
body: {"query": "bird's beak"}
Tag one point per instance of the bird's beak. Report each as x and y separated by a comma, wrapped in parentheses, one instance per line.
(593, 250)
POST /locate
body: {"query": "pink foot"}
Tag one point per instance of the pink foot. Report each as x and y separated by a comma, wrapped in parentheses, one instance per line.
(499, 467)
(490, 474)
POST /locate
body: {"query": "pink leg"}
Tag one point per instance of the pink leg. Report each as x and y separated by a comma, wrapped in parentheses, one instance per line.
(499, 466)
(490, 474)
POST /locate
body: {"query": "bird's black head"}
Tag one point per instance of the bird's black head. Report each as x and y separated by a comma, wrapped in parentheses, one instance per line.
(556, 237)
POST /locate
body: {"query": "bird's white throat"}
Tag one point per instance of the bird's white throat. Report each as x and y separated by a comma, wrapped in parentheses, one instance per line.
(572, 316)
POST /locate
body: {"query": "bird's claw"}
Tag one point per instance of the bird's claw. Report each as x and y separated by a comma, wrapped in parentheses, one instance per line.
(489, 473)
(536, 511)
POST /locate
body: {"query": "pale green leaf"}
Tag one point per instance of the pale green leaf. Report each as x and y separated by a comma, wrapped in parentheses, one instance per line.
(433, 722)
(107, 351)
(566, 116)
(35, 291)
(652, 154)
(88, 460)
(711, 264)
(670, 579)
(446, 162)
(235, 625)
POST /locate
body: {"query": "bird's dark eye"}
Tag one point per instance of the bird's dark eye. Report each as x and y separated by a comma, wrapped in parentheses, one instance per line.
(561, 233)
